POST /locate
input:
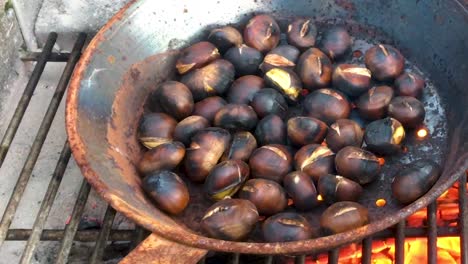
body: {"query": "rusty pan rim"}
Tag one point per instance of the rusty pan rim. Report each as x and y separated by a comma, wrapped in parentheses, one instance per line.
(189, 238)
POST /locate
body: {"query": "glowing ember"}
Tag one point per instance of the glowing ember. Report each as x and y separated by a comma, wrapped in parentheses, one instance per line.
(319, 198)
(422, 133)
(380, 202)
(381, 161)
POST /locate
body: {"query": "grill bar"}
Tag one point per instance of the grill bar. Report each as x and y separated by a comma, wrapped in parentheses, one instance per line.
(103, 235)
(400, 243)
(333, 256)
(463, 216)
(54, 57)
(432, 233)
(299, 259)
(80, 236)
(366, 250)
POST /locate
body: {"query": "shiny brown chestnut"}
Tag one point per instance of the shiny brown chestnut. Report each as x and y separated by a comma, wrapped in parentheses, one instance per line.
(226, 178)
(300, 187)
(385, 62)
(196, 56)
(163, 157)
(373, 104)
(302, 33)
(384, 136)
(262, 33)
(408, 110)
(213, 79)
(315, 160)
(416, 179)
(230, 219)
(208, 107)
(409, 84)
(335, 188)
(343, 216)
(155, 129)
(225, 37)
(344, 132)
(168, 190)
(243, 89)
(236, 117)
(286, 227)
(268, 196)
(286, 82)
(327, 105)
(336, 42)
(284, 56)
(315, 69)
(269, 101)
(245, 59)
(241, 147)
(271, 162)
(351, 79)
(357, 164)
(303, 130)
(271, 130)
(174, 99)
(188, 127)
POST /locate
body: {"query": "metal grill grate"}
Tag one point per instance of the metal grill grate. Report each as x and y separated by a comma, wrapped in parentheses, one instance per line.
(106, 233)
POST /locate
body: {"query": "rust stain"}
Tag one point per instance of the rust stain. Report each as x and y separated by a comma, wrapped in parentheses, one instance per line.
(111, 59)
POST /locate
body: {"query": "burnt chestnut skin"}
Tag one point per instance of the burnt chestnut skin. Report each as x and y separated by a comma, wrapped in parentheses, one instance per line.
(163, 157)
(351, 79)
(302, 33)
(409, 84)
(408, 110)
(327, 105)
(225, 37)
(284, 56)
(208, 107)
(226, 178)
(188, 127)
(168, 191)
(315, 160)
(357, 164)
(269, 101)
(384, 136)
(285, 227)
(303, 130)
(262, 33)
(196, 56)
(271, 130)
(344, 132)
(373, 104)
(155, 129)
(236, 117)
(301, 189)
(286, 82)
(174, 99)
(315, 69)
(385, 62)
(245, 59)
(343, 216)
(243, 89)
(335, 188)
(336, 42)
(268, 196)
(241, 147)
(270, 162)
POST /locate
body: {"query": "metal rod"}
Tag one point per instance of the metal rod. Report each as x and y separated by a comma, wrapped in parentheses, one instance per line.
(26, 97)
(432, 233)
(333, 256)
(400, 243)
(269, 259)
(300, 259)
(139, 235)
(54, 56)
(81, 236)
(235, 258)
(366, 250)
(103, 236)
(463, 218)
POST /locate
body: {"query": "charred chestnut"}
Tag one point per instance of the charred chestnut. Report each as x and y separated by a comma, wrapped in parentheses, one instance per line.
(188, 127)
(343, 216)
(196, 56)
(230, 219)
(286, 82)
(262, 33)
(208, 107)
(245, 59)
(285, 227)
(243, 89)
(269, 101)
(168, 191)
(344, 132)
(416, 179)
(385, 62)
(213, 79)
(301, 189)
(373, 104)
(335, 188)
(357, 164)
(302, 33)
(163, 157)
(236, 117)
(155, 129)
(268, 196)
(225, 37)
(241, 147)
(303, 130)
(384, 136)
(409, 84)
(270, 162)
(351, 79)
(408, 110)
(271, 130)
(336, 42)
(175, 99)
(315, 69)
(315, 160)
(226, 178)
(284, 56)
(327, 105)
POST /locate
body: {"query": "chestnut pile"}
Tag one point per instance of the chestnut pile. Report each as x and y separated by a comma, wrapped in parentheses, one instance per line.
(268, 130)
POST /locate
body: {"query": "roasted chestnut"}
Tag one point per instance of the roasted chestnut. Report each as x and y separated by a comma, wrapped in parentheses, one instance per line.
(315, 160)
(408, 110)
(268, 196)
(225, 37)
(241, 147)
(236, 117)
(271, 130)
(286, 82)
(385, 62)
(262, 33)
(357, 164)
(409, 84)
(155, 129)
(165, 156)
(188, 127)
(384, 136)
(213, 79)
(168, 190)
(226, 178)
(196, 56)
(351, 79)
(208, 107)
(302, 33)
(285, 227)
(344, 132)
(243, 89)
(336, 42)
(373, 104)
(300, 187)
(315, 69)
(245, 59)
(175, 99)
(269, 101)
(230, 219)
(284, 56)
(327, 105)
(335, 188)
(303, 130)
(270, 162)
(207, 147)
(343, 216)
(416, 179)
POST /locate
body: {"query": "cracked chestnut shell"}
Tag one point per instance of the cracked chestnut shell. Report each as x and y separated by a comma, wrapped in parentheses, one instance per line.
(351, 79)
(303, 130)
(284, 56)
(385, 62)
(269, 101)
(245, 59)
(285, 227)
(373, 104)
(196, 56)
(226, 178)
(241, 147)
(343, 133)
(236, 117)
(163, 157)
(155, 129)
(327, 105)
(409, 84)
(230, 219)
(286, 82)
(300, 187)
(244, 88)
(168, 191)
(271, 162)
(174, 99)
(268, 196)
(315, 160)
(225, 37)
(271, 130)
(384, 136)
(208, 107)
(213, 79)
(262, 33)
(336, 42)
(188, 127)
(408, 110)
(302, 33)
(335, 188)
(315, 69)
(359, 165)
(343, 216)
